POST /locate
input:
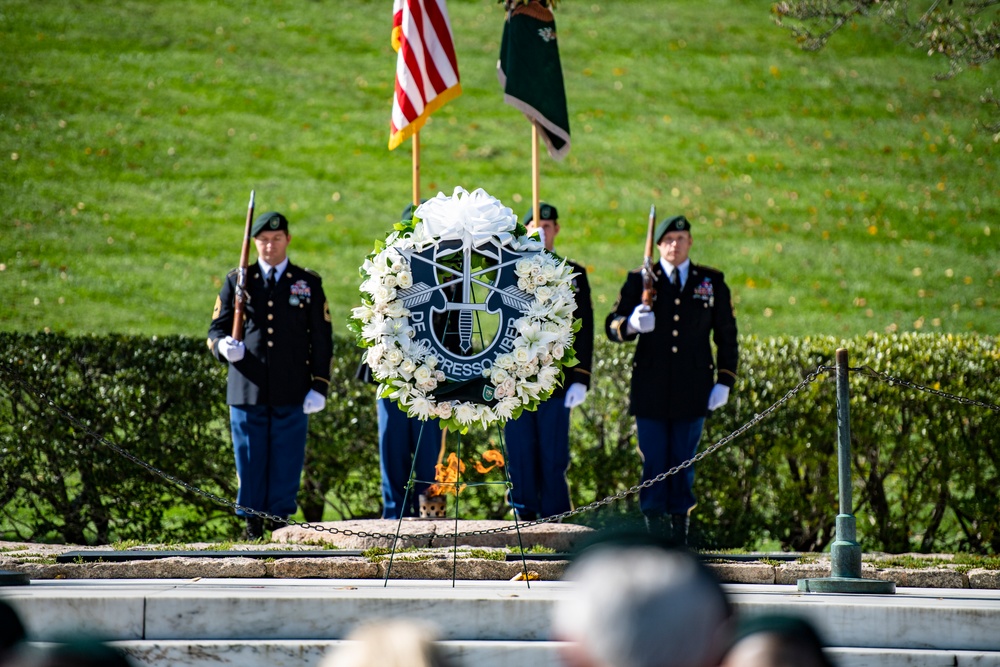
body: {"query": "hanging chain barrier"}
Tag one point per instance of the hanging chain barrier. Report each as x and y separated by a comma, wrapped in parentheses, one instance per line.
(516, 526)
(894, 381)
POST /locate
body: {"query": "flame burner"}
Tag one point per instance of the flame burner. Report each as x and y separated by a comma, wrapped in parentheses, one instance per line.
(433, 507)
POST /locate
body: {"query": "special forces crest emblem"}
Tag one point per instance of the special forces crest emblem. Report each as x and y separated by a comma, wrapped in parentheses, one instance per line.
(465, 317)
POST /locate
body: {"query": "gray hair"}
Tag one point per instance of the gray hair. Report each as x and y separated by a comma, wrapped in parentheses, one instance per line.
(644, 606)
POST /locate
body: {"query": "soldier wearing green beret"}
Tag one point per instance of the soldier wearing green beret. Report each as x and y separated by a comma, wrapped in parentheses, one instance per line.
(676, 381)
(538, 442)
(279, 373)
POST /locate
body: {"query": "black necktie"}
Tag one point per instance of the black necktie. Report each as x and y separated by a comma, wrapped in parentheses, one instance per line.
(270, 280)
(675, 278)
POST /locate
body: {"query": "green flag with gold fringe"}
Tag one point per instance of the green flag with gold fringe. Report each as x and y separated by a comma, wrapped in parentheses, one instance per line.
(531, 74)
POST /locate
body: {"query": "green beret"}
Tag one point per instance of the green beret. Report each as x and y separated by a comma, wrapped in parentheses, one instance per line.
(545, 212)
(678, 223)
(271, 221)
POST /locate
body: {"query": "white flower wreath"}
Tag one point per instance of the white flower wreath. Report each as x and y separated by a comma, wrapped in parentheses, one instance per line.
(405, 360)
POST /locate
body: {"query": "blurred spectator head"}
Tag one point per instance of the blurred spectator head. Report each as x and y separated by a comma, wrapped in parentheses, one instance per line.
(636, 603)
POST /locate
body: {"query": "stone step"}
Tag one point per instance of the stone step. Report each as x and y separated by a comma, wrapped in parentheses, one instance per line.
(271, 621)
(469, 653)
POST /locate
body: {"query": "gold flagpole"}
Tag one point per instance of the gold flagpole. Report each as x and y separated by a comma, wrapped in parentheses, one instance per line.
(416, 169)
(534, 172)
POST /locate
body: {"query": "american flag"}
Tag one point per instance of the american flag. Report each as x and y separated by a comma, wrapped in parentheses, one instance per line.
(426, 67)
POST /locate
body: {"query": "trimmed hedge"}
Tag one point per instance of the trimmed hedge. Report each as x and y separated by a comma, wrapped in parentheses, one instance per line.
(925, 467)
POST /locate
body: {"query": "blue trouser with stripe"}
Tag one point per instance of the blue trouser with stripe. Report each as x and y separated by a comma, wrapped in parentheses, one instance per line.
(537, 460)
(269, 442)
(663, 444)
(401, 439)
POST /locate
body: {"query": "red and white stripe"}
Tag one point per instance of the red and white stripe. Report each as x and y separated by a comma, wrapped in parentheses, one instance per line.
(426, 67)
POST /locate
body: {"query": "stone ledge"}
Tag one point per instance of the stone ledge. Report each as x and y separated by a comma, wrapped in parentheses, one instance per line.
(440, 561)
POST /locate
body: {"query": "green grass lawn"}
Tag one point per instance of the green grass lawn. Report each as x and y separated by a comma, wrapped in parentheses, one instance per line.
(842, 192)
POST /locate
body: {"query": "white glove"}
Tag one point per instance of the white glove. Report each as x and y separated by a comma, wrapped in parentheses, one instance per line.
(314, 402)
(642, 319)
(575, 394)
(232, 349)
(718, 397)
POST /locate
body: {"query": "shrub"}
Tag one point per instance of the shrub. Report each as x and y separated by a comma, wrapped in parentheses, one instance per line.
(924, 466)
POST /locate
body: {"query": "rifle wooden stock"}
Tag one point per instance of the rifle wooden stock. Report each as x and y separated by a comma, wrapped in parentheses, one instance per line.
(648, 288)
(241, 276)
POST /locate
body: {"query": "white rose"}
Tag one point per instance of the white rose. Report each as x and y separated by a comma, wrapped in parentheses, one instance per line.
(404, 280)
(395, 309)
(389, 280)
(423, 374)
(543, 292)
(498, 375)
(558, 351)
(521, 354)
(444, 410)
(393, 357)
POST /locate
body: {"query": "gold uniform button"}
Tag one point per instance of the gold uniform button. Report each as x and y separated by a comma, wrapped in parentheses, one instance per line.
(673, 349)
(271, 331)
(270, 316)
(675, 332)
(270, 343)
(677, 318)
(270, 303)
(677, 302)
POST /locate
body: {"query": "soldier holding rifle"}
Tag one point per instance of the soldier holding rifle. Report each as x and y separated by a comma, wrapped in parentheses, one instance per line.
(676, 309)
(271, 323)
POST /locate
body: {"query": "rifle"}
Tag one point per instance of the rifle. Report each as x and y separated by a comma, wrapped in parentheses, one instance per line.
(648, 289)
(241, 277)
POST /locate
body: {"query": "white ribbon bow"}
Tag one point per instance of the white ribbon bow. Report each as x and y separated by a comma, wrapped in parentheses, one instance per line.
(473, 218)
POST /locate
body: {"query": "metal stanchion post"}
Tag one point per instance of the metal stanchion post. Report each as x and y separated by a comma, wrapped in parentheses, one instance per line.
(845, 552)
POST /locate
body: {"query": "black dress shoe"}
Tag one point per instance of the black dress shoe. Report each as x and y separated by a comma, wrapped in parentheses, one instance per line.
(659, 526)
(273, 525)
(255, 528)
(680, 523)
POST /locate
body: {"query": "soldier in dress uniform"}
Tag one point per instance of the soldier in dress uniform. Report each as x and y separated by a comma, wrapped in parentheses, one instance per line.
(279, 373)
(538, 442)
(675, 380)
(401, 439)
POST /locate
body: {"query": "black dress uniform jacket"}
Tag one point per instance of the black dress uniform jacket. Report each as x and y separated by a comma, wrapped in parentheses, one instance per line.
(673, 371)
(583, 344)
(287, 333)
